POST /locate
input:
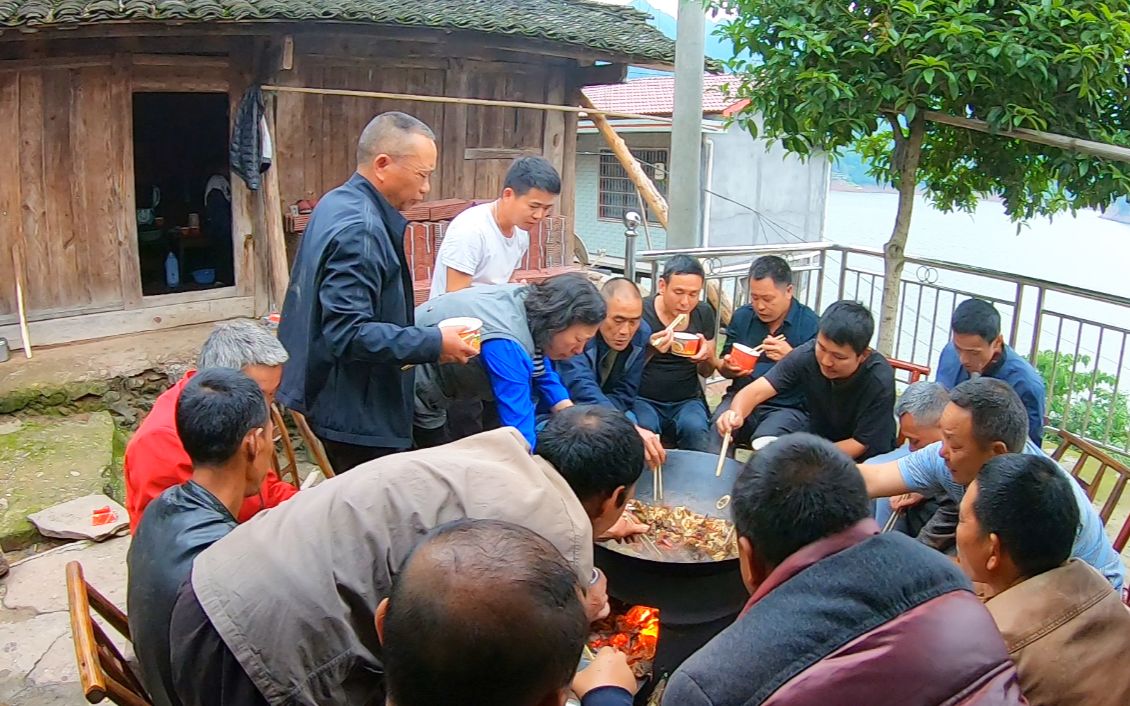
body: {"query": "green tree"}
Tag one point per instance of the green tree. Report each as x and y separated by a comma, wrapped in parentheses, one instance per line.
(1073, 406)
(828, 74)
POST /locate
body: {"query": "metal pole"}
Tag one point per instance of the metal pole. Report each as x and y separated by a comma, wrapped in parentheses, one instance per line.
(631, 222)
(683, 230)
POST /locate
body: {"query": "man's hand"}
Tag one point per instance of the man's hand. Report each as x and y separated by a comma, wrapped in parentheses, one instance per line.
(627, 526)
(563, 404)
(454, 349)
(775, 347)
(662, 341)
(704, 352)
(902, 502)
(610, 668)
(733, 371)
(729, 422)
(653, 450)
(596, 599)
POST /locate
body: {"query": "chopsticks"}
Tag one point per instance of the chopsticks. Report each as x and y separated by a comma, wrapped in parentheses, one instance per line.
(670, 327)
(657, 483)
(722, 456)
(895, 515)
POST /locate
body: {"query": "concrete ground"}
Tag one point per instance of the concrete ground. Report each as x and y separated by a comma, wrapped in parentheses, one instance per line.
(37, 656)
(101, 360)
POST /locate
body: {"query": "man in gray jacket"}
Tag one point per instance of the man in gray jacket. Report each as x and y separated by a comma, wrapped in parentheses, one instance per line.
(281, 610)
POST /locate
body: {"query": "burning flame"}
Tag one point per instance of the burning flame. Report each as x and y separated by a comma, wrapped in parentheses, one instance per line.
(635, 633)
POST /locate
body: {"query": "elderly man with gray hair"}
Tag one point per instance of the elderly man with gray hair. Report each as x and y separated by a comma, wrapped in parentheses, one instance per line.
(932, 521)
(348, 320)
(156, 459)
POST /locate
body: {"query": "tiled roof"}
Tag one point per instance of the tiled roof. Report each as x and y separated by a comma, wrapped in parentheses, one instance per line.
(612, 29)
(656, 95)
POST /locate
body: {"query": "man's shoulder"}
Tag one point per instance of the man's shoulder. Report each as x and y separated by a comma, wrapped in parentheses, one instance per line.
(879, 368)
(471, 222)
(1022, 373)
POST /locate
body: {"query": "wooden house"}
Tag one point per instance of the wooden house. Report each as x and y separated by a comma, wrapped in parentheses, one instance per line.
(116, 115)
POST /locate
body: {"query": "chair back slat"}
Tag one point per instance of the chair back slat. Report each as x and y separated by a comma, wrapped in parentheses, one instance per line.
(104, 673)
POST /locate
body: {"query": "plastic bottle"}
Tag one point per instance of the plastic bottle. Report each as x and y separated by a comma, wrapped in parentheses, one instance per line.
(172, 271)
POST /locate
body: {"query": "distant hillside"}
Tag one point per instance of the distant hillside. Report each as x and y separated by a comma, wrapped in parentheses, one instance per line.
(715, 48)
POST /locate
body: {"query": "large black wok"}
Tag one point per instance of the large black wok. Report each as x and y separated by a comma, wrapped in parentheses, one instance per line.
(695, 600)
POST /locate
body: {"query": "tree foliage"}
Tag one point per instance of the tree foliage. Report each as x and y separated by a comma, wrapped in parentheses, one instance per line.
(826, 75)
(1072, 405)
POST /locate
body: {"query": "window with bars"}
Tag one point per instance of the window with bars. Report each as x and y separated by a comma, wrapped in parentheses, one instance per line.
(617, 192)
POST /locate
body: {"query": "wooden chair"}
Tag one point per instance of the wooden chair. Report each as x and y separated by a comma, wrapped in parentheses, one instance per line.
(317, 452)
(915, 372)
(1088, 451)
(103, 672)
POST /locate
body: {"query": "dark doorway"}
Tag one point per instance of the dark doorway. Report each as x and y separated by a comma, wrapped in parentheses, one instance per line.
(183, 187)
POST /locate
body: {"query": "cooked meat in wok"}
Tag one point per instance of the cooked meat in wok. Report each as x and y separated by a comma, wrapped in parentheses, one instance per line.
(678, 534)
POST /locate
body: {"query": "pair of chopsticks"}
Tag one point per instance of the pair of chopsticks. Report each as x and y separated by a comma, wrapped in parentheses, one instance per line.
(890, 525)
(657, 483)
(670, 327)
(722, 456)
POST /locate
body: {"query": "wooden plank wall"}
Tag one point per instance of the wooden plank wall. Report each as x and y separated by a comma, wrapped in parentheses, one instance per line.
(59, 203)
(317, 135)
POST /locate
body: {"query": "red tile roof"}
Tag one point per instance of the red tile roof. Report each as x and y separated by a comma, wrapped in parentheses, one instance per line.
(656, 95)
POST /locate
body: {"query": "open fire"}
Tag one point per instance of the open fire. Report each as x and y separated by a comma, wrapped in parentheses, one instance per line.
(635, 632)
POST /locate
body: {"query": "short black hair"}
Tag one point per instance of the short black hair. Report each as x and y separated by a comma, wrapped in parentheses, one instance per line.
(977, 317)
(560, 302)
(795, 491)
(848, 323)
(682, 265)
(1028, 502)
(998, 414)
(773, 267)
(215, 411)
(483, 613)
(532, 172)
(596, 450)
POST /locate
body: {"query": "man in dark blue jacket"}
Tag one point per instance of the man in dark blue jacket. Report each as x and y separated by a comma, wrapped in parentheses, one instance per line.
(777, 323)
(978, 347)
(347, 321)
(609, 370)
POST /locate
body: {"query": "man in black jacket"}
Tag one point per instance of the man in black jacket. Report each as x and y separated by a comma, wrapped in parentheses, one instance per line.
(347, 321)
(223, 423)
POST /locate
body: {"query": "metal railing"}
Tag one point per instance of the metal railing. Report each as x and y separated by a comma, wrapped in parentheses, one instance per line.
(1076, 338)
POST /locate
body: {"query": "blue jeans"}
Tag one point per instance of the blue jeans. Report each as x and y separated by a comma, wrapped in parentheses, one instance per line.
(686, 422)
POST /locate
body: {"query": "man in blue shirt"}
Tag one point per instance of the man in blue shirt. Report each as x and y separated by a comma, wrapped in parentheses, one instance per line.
(983, 420)
(775, 321)
(525, 328)
(608, 372)
(978, 348)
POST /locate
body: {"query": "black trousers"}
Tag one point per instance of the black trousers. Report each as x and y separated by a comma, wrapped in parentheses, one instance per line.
(205, 672)
(346, 456)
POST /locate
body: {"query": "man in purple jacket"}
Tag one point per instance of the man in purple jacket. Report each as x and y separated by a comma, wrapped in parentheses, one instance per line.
(840, 613)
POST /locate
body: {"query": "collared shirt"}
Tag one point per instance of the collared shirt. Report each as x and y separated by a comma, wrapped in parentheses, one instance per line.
(799, 327)
(1009, 367)
(926, 472)
(861, 407)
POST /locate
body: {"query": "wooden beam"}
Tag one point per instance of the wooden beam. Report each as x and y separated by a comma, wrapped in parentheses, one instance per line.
(117, 323)
(589, 110)
(599, 75)
(498, 152)
(272, 211)
(651, 195)
(1065, 142)
(287, 62)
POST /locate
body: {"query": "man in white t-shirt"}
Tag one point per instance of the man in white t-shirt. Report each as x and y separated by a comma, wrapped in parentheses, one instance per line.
(486, 243)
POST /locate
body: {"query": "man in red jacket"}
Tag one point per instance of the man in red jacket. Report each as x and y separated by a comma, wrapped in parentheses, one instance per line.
(156, 459)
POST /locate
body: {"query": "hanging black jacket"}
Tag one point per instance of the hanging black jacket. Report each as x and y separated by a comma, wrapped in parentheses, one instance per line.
(347, 322)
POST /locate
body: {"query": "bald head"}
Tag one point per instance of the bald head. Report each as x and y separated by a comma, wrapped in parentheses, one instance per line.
(483, 612)
(392, 134)
(625, 311)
